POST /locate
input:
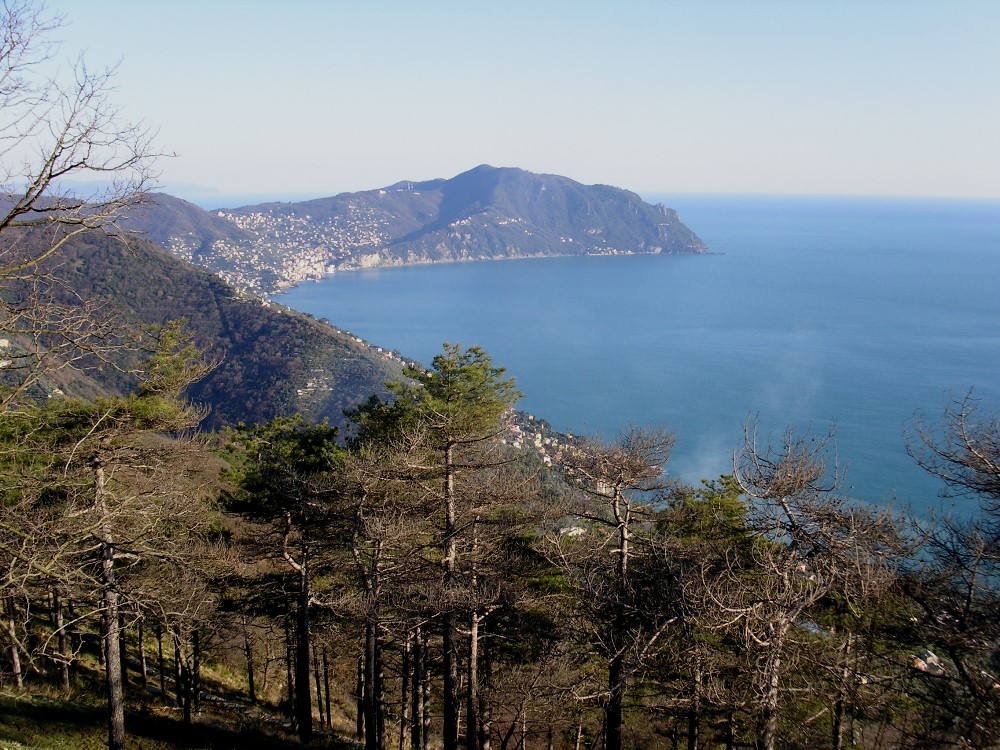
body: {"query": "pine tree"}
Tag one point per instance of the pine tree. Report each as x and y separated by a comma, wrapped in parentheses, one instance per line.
(284, 472)
(450, 416)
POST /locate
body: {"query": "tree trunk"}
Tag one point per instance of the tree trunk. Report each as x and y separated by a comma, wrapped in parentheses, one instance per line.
(616, 666)
(450, 686)
(840, 704)
(160, 663)
(183, 676)
(694, 709)
(112, 656)
(473, 727)
(417, 691)
(178, 668)
(290, 667)
(248, 655)
(505, 740)
(485, 709)
(406, 678)
(303, 699)
(319, 686)
(141, 651)
(369, 690)
(326, 685)
(425, 696)
(110, 642)
(14, 652)
(196, 670)
(380, 704)
(62, 641)
(449, 645)
(613, 710)
(450, 635)
(769, 710)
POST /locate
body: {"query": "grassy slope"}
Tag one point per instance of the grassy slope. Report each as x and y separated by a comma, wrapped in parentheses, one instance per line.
(41, 717)
(43, 722)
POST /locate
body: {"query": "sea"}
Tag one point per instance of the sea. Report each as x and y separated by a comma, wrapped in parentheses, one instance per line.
(860, 317)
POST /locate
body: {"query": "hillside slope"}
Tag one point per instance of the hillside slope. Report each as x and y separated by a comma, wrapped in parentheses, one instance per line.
(272, 361)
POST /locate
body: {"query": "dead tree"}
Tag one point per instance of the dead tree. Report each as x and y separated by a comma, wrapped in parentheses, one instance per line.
(955, 587)
(620, 481)
(58, 124)
(809, 546)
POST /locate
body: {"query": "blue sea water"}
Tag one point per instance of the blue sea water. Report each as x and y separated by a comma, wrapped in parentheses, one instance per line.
(850, 313)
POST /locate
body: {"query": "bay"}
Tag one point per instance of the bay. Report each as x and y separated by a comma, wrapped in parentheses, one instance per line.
(852, 314)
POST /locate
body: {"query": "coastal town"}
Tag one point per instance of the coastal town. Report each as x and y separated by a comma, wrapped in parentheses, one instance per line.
(276, 250)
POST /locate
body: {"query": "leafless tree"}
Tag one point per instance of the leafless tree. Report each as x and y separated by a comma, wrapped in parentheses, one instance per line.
(810, 546)
(955, 585)
(106, 495)
(621, 481)
(964, 451)
(70, 163)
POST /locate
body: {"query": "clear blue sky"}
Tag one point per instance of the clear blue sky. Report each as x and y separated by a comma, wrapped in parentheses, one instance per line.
(880, 97)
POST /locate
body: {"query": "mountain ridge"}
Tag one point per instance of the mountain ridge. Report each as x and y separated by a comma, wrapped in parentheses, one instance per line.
(484, 213)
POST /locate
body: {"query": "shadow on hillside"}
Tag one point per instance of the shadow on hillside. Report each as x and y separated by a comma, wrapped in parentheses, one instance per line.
(39, 722)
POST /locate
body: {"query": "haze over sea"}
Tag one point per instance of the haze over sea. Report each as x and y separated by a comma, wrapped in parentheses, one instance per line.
(852, 312)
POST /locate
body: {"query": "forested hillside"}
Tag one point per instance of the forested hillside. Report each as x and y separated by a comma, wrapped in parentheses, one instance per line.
(433, 583)
(270, 361)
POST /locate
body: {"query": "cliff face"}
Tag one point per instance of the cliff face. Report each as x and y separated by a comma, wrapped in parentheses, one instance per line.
(483, 214)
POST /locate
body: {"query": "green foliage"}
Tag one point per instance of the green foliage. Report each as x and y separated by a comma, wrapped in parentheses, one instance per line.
(176, 362)
(33, 435)
(379, 420)
(463, 391)
(156, 406)
(461, 398)
(714, 512)
(279, 465)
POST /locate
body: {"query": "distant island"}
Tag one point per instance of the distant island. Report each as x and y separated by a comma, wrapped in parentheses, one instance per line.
(487, 213)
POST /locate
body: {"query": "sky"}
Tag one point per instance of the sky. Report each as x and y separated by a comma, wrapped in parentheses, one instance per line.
(317, 97)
